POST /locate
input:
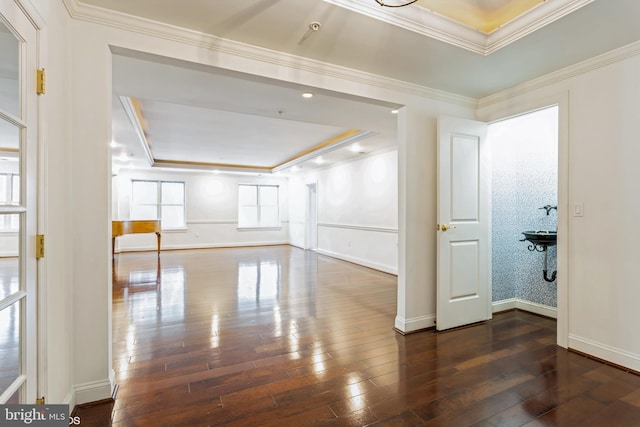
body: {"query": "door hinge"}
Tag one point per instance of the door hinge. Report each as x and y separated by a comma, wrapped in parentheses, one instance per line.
(40, 81)
(40, 246)
(40, 401)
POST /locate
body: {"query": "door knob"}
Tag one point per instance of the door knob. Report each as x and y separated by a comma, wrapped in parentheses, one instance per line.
(447, 227)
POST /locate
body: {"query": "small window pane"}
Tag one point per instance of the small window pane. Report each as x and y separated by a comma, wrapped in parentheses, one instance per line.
(9, 137)
(13, 222)
(9, 283)
(4, 189)
(145, 193)
(172, 216)
(15, 189)
(172, 193)
(144, 212)
(15, 398)
(9, 71)
(269, 215)
(247, 216)
(248, 195)
(268, 195)
(9, 345)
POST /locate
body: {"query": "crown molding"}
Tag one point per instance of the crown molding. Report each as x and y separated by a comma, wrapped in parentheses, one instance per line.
(328, 146)
(540, 16)
(135, 118)
(558, 76)
(432, 24)
(114, 19)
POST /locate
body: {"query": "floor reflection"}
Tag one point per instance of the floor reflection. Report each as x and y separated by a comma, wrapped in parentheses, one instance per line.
(154, 294)
(258, 282)
(235, 312)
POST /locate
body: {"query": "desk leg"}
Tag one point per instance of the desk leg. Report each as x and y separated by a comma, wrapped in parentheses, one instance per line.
(158, 235)
(113, 247)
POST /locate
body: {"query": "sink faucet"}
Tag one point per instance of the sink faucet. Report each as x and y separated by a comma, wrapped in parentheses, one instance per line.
(548, 208)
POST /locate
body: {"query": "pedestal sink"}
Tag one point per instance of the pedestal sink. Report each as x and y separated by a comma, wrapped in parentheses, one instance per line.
(540, 240)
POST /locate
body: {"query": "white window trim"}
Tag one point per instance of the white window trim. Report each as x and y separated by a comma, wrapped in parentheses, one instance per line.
(159, 205)
(257, 227)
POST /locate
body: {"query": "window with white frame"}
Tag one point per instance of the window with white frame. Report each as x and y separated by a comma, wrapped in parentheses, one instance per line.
(258, 206)
(162, 200)
(9, 196)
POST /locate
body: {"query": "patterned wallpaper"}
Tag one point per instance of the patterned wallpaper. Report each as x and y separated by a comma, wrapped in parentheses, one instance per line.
(524, 153)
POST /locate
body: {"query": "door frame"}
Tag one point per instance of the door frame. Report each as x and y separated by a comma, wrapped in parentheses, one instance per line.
(518, 108)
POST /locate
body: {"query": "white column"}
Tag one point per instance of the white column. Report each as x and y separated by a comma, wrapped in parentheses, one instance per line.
(91, 212)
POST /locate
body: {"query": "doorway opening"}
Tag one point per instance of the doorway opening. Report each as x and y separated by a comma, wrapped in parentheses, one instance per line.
(524, 197)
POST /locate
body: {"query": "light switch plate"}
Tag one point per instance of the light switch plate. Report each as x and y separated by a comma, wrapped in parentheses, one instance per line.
(578, 209)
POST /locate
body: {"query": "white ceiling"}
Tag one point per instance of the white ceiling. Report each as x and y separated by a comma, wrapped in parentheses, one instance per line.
(212, 118)
(346, 38)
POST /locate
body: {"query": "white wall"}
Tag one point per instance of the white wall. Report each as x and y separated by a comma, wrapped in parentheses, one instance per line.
(357, 210)
(602, 268)
(211, 211)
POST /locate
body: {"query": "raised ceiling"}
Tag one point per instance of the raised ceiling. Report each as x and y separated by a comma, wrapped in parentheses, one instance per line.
(193, 117)
(470, 48)
(484, 15)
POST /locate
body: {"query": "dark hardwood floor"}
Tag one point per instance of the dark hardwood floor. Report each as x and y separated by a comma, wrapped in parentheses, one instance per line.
(276, 336)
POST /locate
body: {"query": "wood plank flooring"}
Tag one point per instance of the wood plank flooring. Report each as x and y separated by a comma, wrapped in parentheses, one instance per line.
(276, 336)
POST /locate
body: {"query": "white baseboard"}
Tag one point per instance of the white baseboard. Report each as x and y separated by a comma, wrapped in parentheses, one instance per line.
(543, 310)
(520, 304)
(415, 324)
(504, 305)
(70, 399)
(92, 391)
(605, 352)
(361, 261)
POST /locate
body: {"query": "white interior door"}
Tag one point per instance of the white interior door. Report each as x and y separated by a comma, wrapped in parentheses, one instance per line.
(464, 224)
(18, 149)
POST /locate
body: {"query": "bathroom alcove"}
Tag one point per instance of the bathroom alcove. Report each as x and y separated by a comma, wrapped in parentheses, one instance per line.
(524, 156)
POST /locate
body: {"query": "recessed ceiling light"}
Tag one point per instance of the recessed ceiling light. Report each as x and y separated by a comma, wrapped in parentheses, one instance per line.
(394, 111)
(355, 148)
(319, 160)
(307, 95)
(294, 169)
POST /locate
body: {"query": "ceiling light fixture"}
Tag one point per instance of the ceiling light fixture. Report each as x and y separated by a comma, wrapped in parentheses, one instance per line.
(319, 160)
(307, 95)
(406, 3)
(394, 111)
